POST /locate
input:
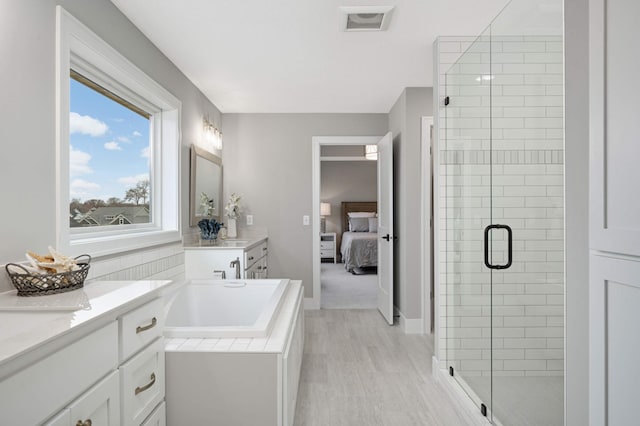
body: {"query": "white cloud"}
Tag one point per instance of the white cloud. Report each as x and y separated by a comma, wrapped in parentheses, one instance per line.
(86, 125)
(112, 146)
(79, 162)
(129, 181)
(123, 139)
(137, 133)
(83, 189)
(144, 152)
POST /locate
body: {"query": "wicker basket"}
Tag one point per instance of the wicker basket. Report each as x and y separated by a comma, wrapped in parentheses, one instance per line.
(29, 284)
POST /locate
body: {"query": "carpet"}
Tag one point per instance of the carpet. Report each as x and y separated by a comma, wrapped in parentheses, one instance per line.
(343, 290)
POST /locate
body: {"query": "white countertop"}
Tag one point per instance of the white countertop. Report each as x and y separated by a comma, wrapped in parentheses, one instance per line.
(28, 323)
(220, 244)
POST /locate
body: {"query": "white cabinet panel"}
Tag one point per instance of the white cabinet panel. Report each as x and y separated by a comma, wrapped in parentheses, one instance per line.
(614, 133)
(614, 340)
(158, 417)
(142, 383)
(61, 419)
(140, 327)
(98, 406)
(59, 378)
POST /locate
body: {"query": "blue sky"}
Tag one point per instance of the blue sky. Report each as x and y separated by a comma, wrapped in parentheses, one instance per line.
(109, 150)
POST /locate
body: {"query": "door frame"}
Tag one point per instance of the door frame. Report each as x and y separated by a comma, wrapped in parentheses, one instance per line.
(427, 223)
(316, 143)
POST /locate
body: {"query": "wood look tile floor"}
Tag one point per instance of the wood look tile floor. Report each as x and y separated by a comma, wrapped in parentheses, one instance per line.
(357, 370)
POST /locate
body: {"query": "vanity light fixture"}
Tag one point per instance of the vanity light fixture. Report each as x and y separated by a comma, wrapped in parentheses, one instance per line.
(212, 134)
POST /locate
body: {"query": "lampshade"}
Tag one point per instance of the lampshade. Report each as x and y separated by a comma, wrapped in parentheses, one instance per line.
(325, 209)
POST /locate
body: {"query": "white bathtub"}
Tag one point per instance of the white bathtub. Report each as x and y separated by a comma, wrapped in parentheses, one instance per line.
(224, 308)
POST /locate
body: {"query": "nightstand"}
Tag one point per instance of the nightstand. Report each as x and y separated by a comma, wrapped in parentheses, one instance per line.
(328, 246)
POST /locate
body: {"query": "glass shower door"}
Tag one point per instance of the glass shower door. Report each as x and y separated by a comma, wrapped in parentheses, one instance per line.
(467, 163)
(504, 210)
(527, 186)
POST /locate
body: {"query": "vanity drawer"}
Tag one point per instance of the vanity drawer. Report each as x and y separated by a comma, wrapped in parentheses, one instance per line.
(142, 383)
(141, 326)
(255, 253)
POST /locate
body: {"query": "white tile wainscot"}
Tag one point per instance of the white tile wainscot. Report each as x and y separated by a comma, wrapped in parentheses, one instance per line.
(61, 360)
(219, 378)
(203, 260)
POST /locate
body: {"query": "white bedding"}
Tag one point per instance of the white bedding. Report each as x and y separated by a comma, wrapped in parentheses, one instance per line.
(359, 249)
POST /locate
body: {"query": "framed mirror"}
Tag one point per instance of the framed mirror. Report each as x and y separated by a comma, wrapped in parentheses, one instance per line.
(205, 198)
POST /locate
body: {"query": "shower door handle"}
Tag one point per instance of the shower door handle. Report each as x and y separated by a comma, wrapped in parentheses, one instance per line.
(487, 262)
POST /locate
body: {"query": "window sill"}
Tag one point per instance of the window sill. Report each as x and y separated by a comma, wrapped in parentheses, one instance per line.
(106, 245)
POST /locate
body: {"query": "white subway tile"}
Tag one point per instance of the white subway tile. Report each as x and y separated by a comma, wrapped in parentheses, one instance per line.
(525, 364)
(555, 343)
(555, 364)
(543, 288)
(544, 100)
(543, 123)
(524, 90)
(524, 321)
(524, 133)
(543, 58)
(509, 332)
(529, 46)
(509, 354)
(508, 101)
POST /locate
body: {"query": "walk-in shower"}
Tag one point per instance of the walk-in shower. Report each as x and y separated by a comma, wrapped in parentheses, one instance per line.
(502, 169)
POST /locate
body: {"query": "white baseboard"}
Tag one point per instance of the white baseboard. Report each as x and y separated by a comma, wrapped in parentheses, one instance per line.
(468, 408)
(409, 326)
(311, 303)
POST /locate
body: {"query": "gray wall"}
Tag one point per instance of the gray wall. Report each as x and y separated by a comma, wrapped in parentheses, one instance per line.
(346, 181)
(27, 164)
(267, 159)
(405, 123)
(577, 206)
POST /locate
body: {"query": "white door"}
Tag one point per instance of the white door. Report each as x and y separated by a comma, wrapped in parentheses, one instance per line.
(614, 233)
(385, 227)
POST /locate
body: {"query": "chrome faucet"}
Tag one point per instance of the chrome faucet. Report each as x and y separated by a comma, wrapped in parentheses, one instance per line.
(223, 274)
(236, 263)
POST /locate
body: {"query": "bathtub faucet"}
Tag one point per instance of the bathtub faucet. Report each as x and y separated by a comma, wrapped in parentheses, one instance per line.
(236, 263)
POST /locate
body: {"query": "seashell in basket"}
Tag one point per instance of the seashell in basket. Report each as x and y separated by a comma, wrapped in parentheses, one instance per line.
(30, 283)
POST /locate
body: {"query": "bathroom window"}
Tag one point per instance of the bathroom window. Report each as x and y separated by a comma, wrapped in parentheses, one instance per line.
(109, 157)
(118, 149)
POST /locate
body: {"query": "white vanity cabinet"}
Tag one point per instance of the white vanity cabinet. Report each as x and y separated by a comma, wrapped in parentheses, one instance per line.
(109, 372)
(201, 262)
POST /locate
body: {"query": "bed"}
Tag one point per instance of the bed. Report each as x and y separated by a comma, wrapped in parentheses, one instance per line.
(359, 246)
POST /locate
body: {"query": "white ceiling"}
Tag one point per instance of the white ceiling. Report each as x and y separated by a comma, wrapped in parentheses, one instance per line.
(281, 56)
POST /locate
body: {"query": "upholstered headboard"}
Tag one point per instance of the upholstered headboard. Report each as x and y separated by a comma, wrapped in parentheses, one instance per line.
(356, 206)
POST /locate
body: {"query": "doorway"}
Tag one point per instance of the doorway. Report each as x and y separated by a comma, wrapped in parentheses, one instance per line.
(377, 216)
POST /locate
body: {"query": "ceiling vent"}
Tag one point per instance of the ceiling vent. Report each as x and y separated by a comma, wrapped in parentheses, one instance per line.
(365, 18)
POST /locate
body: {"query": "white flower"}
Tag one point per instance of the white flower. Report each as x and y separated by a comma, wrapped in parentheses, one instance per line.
(233, 209)
(206, 204)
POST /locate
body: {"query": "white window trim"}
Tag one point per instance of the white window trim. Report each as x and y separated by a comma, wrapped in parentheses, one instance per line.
(77, 44)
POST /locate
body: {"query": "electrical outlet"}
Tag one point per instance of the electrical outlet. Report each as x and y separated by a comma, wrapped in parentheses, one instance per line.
(305, 220)
(249, 219)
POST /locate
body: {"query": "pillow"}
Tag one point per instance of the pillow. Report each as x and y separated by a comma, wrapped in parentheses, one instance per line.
(359, 224)
(373, 224)
(361, 214)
